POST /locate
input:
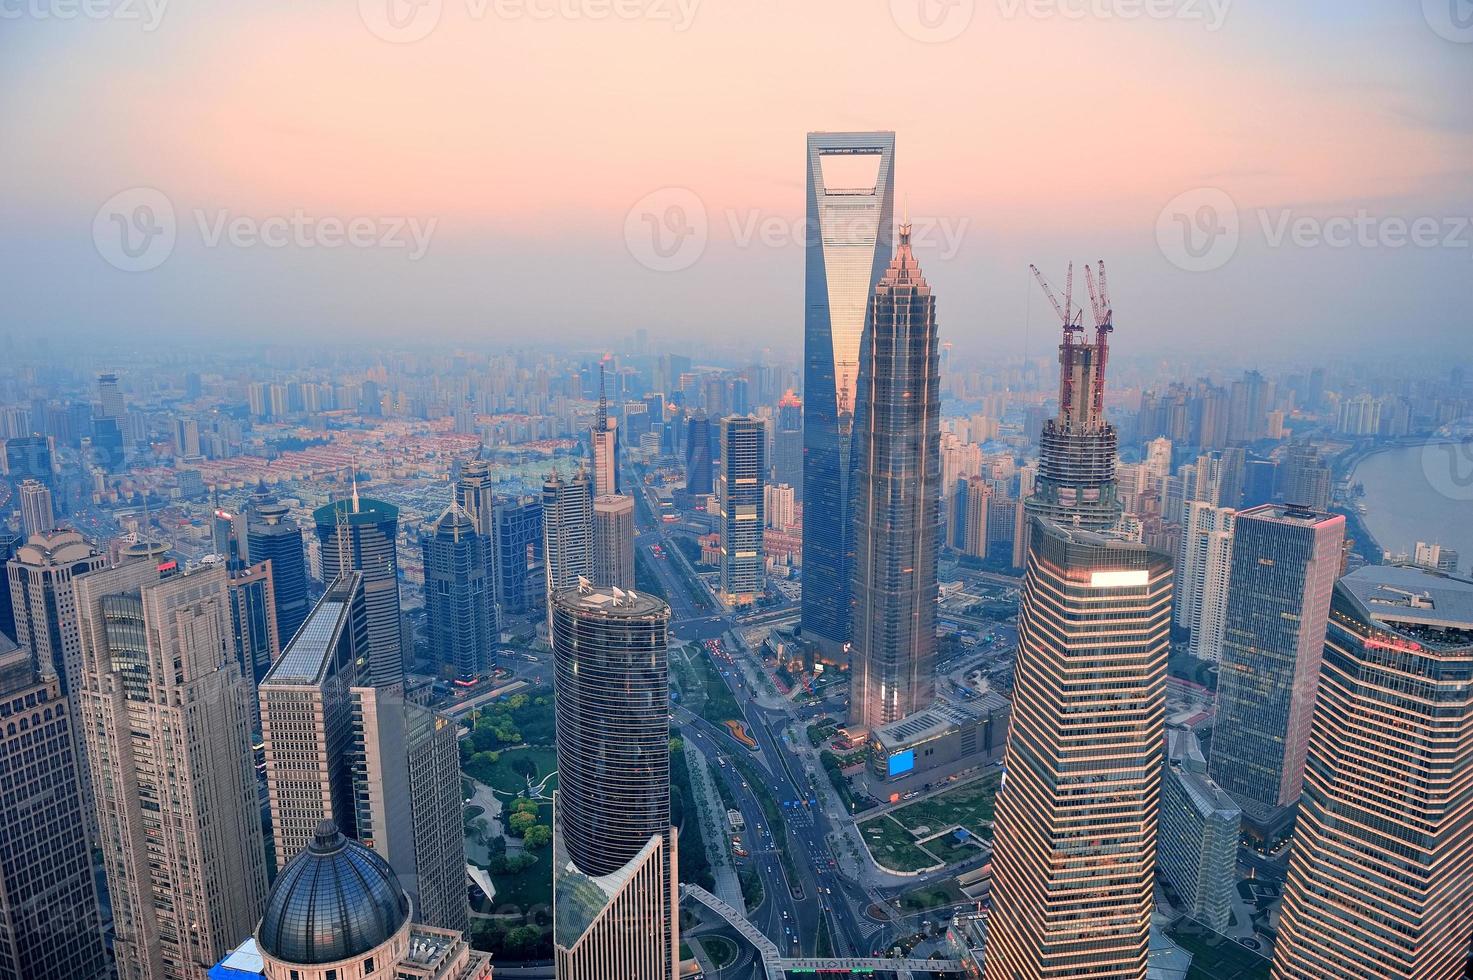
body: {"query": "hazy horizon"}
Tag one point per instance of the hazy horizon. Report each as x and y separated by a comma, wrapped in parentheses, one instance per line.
(503, 173)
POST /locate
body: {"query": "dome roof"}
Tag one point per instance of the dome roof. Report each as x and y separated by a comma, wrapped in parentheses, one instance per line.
(334, 901)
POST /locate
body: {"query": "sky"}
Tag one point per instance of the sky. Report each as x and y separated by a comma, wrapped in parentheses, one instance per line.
(1262, 179)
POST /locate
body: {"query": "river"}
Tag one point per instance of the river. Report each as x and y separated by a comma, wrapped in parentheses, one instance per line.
(1405, 505)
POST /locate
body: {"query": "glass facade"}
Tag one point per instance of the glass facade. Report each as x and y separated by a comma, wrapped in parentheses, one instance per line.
(613, 727)
(896, 500)
(1383, 849)
(1284, 564)
(743, 468)
(362, 535)
(851, 198)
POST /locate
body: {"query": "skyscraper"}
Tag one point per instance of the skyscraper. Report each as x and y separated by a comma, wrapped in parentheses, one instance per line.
(1203, 569)
(1077, 448)
(362, 535)
(9, 542)
(1075, 834)
(740, 491)
(698, 465)
(166, 715)
(851, 203)
(36, 516)
(615, 899)
(518, 551)
(460, 604)
(50, 927)
(1285, 560)
(613, 541)
(307, 720)
(1198, 846)
(253, 621)
(29, 458)
(787, 443)
(273, 535)
(896, 495)
(41, 591)
(605, 437)
(1383, 848)
(386, 769)
(108, 423)
(567, 530)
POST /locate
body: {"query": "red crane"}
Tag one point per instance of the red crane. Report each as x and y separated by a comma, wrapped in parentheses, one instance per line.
(1104, 325)
(1071, 317)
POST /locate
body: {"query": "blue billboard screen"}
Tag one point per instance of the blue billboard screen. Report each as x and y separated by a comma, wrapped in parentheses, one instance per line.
(902, 762)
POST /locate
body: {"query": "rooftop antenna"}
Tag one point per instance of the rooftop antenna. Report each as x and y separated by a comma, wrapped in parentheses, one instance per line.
(355, 484)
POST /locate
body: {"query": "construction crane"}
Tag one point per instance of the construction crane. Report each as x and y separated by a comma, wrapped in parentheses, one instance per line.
(1071, 318)
(1099, 301)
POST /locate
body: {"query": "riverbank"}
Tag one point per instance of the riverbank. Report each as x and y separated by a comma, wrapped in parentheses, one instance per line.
(1402, 503)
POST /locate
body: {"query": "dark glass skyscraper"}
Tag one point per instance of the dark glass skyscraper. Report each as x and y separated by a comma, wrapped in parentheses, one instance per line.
(787, 443)
(699, 470)
(361, 535)
(614, 887)
(459, 605)
(1285, 560)
(851, 199)
(272, 535)
(518, 548)
(895, 499)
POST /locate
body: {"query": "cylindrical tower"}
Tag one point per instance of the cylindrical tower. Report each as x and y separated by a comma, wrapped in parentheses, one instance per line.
(613, 724)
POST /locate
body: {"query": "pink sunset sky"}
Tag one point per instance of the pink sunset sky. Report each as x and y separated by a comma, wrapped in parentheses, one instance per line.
(525, 132)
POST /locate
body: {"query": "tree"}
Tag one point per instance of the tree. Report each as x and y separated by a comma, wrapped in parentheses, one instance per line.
(524, 765)
(520, 822)
(538, 836)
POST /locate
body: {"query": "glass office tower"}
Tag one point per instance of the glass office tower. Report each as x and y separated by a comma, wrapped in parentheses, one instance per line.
(851, 203)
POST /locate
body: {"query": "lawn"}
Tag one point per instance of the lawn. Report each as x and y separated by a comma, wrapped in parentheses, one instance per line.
(526, 889)
(969, 806)
(941, 894)
(893, 846)
(507, 782)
